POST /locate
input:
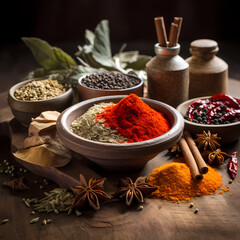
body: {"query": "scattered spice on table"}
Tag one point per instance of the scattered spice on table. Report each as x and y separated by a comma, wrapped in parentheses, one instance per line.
(134, 119)
(110, 81)
(232, 165)
(219, 109)
(57, 200)
(130, 120)
(131, 191)
(18, 184)
(40, 90)
(91, 193)
(175, 183)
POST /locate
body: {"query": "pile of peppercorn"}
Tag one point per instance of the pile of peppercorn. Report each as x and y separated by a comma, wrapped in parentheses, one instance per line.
(219, 109)
(110, 81)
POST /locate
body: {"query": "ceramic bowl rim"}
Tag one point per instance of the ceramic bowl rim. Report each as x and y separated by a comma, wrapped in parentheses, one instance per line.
(22, 83)
(178, 121)
(180, 106)
(110, 90)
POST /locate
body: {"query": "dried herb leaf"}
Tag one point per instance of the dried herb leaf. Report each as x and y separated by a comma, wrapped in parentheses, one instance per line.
(51, 58)
(101, 51)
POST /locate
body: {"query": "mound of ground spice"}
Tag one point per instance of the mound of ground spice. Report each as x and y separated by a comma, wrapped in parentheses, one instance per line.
(134, 119)
(175, 182)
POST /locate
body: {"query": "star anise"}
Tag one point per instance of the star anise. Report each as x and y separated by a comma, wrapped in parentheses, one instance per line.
(91, 193)
(175, 149)
(217, 156)
(134, 190)
(206, 140)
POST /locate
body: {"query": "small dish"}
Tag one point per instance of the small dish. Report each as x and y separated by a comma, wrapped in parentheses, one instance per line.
(24, 111)
(228, 132)
(86, 93)
(119, 157)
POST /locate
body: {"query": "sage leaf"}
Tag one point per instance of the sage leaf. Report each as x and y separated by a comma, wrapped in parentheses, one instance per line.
(89, 37)
(127, 57)
(50, 58)
(140, 63)
(101, 51)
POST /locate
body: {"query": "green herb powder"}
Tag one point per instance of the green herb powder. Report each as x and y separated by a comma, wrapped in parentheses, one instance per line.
(87, 127)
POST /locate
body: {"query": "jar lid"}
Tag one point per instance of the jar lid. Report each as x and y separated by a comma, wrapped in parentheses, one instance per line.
(204, 46)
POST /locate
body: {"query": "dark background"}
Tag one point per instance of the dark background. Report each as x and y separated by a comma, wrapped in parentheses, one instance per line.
(62, 23)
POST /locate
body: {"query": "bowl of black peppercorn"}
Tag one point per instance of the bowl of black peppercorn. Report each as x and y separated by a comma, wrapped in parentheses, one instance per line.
(229, 131)
(108, 84)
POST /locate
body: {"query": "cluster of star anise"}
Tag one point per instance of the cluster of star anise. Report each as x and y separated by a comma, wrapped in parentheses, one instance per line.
(92, 194)
(209, 145)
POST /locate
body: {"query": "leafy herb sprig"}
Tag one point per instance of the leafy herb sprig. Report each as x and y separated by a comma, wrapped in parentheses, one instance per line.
(94, 57)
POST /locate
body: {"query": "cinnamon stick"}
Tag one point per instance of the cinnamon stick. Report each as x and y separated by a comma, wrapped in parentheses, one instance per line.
(178, 21)
(203, 168)
(190, 159)
(173, 35)
(161, 31)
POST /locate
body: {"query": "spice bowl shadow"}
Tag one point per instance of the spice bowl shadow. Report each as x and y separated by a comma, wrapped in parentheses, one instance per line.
(24, 111)
(121, 157)
(86, 93)
(229, 133)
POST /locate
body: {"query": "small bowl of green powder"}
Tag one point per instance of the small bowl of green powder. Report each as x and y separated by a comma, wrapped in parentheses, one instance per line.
(29, 98)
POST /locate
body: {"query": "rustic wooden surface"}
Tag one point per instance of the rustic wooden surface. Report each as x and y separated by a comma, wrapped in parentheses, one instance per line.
(218, 216)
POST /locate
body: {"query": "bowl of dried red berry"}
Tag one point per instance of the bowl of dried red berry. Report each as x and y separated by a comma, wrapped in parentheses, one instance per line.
(109, 84)
(219, 114)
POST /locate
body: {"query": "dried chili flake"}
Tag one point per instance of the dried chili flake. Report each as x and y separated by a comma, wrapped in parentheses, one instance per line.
(232, 165)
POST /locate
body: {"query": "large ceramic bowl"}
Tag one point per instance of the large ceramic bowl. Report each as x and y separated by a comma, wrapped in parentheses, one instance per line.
(119, 157)
(24, 111)
(228, 132)
(86, 93)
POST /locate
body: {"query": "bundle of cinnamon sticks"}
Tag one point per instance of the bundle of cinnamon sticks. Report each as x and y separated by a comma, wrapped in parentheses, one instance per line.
(174, 31)
(192, 156)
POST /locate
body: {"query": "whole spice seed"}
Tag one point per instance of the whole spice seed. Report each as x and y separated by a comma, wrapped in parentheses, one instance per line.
(191, 205)
(110, 81)
(40, 90)
(34, 220)
(219, 109)
(4, 221)
(44, 222)
(57, 200)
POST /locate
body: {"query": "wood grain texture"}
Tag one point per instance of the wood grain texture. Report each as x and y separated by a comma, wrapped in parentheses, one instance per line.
(218, 216)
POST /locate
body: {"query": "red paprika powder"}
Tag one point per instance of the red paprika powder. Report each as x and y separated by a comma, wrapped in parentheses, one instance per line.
(134, 119)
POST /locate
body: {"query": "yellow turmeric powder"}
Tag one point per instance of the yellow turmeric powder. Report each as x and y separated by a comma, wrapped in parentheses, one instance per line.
(175, 182)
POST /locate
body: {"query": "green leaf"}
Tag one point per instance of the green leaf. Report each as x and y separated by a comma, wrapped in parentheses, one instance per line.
(127, 57)
(89, 37)
(101, 51)
(51, 58)
(140, 64)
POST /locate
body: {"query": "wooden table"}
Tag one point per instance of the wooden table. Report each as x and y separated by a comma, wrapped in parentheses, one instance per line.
(218, 216)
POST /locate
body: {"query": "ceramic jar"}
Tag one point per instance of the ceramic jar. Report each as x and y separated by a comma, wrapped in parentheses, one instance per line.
(168, 76)
(208, 73)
